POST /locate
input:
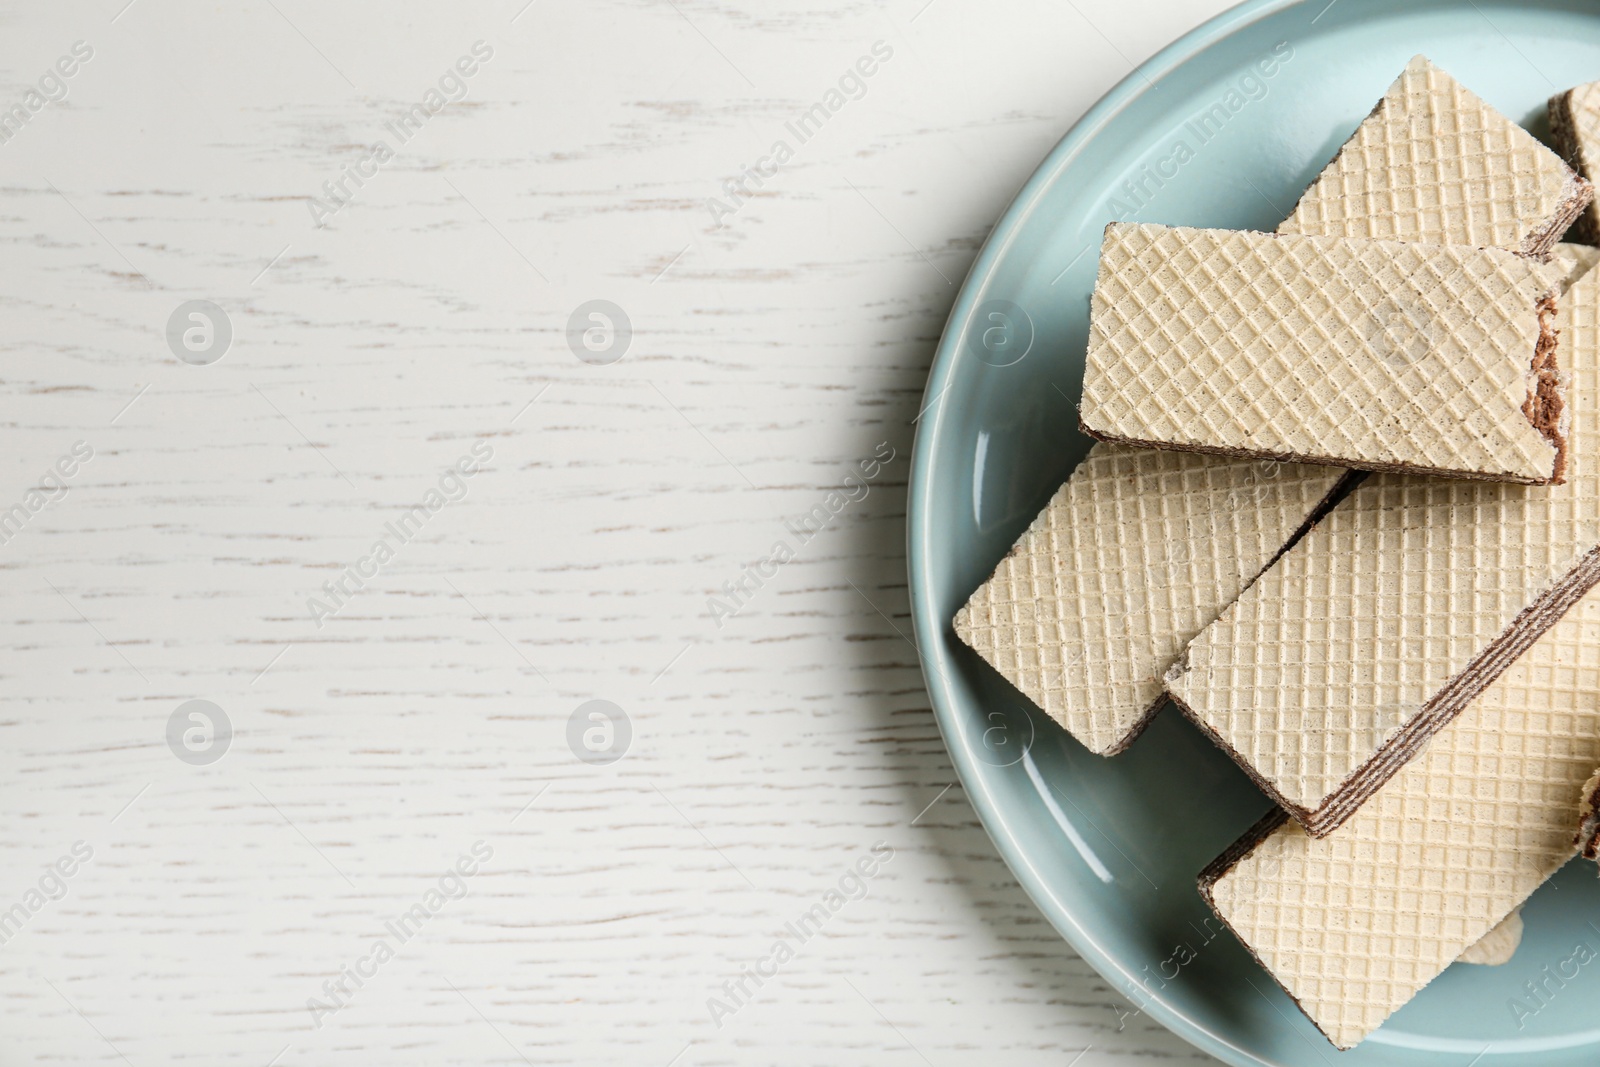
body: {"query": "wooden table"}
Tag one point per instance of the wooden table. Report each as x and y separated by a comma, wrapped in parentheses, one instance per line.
(396, 713)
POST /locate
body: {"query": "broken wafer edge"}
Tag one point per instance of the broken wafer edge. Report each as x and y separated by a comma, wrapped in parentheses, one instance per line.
(1575, 129)
(1573, 261)
(1498, 945)
(1588, 840)
(1349, 352)
(1391, 154)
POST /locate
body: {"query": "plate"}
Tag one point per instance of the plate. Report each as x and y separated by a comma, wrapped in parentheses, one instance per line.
(1109, 848)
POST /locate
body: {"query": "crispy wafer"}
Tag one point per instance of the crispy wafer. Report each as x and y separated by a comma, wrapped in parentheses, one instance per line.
(1407, 599)
(1378, 355)
(1529, 201)
(1355, 924)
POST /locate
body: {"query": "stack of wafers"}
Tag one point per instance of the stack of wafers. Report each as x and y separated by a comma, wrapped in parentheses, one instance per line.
(1345, 513)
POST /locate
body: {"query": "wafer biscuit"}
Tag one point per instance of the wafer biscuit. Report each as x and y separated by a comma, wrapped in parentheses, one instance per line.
(1353, 925)
(1575, 129)
(1114, 702)
(1498, 945)
(1378, 355)
(1434, 162)
(1134, 555)
(1574, 261)
(1409, 597)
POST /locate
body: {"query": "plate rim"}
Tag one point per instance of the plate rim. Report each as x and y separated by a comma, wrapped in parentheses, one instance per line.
(929, 629)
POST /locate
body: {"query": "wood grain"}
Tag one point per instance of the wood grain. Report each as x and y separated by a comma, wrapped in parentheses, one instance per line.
(770, 354)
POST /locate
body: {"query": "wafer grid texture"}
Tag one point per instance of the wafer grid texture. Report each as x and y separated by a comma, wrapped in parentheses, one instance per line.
(1338, 646)
(1132, 557)
(1355, 924)
(1026, 654)
(1362, 353)
(1433, 162)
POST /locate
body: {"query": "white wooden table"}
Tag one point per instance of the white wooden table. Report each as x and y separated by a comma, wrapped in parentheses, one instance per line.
(384, 733)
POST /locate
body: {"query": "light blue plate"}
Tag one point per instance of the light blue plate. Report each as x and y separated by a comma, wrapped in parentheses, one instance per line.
(1109, 848)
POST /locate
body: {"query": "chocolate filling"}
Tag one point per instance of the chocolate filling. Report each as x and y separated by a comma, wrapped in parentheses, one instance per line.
(1544, 404)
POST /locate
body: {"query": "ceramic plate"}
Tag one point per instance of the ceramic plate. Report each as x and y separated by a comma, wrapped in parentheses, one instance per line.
(1109, 848)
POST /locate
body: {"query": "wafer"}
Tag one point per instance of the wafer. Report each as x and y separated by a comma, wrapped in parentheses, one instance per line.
(1378, 355)
(1406, 600)
(1433, 162)
(1575, 129)
(1574, 261)
(1114, 702)
(1498, 945)
(1355, 924)
(1133, 556)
